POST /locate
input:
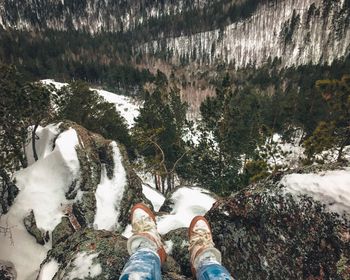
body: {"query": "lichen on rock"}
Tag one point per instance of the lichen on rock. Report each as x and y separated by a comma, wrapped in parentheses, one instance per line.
(264, 234)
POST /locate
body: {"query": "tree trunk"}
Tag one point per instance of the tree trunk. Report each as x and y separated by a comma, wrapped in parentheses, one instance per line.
(35, 155)
(342, 146)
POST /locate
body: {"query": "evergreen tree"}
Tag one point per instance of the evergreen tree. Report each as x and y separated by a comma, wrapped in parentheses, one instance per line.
(22, 104)
(159, 131)
(86, 107)
(335, 130)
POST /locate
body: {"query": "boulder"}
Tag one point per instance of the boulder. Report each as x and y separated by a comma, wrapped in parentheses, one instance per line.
(107, 253)
(266, 234)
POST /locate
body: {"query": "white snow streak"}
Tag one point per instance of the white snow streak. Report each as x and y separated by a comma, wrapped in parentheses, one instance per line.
(48, 270)
(154, 196)
(109, 194)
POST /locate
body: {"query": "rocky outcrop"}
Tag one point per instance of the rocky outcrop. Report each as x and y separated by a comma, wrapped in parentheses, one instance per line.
(108, 248)
(94, 153)
(263, 234)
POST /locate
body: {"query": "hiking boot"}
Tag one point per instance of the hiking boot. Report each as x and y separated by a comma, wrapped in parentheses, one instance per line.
(144, 229)
(201, 244)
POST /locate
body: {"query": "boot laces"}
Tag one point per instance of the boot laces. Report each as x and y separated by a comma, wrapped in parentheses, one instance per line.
(142, 225)
(201, 237)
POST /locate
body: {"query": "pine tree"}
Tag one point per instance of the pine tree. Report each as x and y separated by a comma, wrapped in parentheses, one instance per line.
(76, 102)
(335, 131)
(22, 104)
(159, 131)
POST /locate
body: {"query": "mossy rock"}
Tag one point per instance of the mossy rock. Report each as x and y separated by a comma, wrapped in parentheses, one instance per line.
(62, 231)
(270, 235)
(179, 250)
(110, 249)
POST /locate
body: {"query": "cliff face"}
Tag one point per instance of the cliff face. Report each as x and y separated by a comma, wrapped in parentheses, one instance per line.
(294, 31)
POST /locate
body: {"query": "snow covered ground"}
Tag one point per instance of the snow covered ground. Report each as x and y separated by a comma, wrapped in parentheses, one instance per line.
(126, 106)
(331, 188)
(188, 203)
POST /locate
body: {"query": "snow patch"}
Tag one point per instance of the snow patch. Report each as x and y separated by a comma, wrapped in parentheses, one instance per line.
(169, 246)
(128, 231)
(109, 194)
(188, 203)
(125, 105)
(57, 85)
(48, 270)
(156, 198)
(84, 267)
(331, 188)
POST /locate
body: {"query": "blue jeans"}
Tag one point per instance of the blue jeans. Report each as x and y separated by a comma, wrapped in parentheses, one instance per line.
(144, 264)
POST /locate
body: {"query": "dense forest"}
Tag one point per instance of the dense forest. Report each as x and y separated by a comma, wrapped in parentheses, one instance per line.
(236, 129)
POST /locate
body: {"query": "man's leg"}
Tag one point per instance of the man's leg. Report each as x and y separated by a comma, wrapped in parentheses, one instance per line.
(212, 270)
(204, 257)
(143, 264)
(144, 246)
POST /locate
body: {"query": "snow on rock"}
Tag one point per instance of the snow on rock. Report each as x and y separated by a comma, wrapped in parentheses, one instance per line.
(154, 196)
(84, 267)
(124, 105)
(48, 270)
(188, 203)
(44, 142)
(42, 189)
(109, 194)
(331, 188)
(169, 246)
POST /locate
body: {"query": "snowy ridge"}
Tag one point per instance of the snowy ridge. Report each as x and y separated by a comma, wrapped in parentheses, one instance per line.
(125, 105)
(44, 142)
(42, 189)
